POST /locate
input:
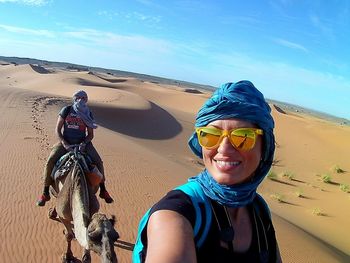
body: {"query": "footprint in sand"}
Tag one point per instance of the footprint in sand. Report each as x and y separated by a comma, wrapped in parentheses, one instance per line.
(39, 106)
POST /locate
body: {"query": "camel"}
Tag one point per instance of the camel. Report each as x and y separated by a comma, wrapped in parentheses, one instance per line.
(77, 209)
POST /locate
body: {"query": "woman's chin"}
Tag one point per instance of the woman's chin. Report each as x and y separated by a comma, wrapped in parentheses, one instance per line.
(226, 179)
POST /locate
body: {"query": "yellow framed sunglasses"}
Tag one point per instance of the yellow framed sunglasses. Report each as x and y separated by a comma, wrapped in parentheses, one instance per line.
(242, 138)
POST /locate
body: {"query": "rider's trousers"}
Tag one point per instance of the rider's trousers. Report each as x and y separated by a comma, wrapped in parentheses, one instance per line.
(58, 150)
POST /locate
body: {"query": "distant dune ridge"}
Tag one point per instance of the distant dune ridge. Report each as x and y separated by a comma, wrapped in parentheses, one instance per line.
(39, 69)
(277, 108)
(144, 123)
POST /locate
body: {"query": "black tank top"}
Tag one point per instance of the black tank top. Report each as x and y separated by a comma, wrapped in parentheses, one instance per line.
(212, 251)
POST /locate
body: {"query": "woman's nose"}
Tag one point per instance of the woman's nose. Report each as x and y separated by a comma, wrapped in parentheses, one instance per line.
(225, 145)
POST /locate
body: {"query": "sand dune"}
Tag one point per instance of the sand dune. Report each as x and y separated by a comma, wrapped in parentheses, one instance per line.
(142, 137)
(277, 108)
(39, 69)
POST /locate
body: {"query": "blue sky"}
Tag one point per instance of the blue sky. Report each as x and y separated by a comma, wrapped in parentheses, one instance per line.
(293, 51)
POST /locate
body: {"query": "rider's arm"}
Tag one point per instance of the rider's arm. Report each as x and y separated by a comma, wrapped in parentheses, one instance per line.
(58, 131)
(89, 136)
(169, 238)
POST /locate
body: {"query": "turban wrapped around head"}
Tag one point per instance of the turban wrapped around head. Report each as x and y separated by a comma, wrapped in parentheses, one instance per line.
(82, 109)
(240, 100)
(80, 93)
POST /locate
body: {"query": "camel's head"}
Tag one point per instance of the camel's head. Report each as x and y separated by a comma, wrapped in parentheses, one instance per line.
(101, 237)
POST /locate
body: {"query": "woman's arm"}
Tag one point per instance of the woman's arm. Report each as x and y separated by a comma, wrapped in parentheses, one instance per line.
(89, 136)
(169, 238)
(58, 131)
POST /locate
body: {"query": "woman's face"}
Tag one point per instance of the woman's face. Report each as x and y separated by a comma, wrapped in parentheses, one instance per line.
(225, 163)
(78, 98)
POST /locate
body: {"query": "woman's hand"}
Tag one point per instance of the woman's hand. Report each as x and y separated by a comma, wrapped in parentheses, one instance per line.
(82, 147)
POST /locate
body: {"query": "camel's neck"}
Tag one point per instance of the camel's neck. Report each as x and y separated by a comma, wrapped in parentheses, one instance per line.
(107, 254)
(104, 247)
(80, 206)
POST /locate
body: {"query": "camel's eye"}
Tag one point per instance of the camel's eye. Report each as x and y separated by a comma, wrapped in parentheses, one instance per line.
(95, 235)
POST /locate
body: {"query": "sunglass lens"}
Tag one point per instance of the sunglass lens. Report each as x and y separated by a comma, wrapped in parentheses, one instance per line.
(243, 139)
(208, 137)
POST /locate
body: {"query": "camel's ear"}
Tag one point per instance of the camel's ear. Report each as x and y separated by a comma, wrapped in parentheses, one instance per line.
(112, 220)
(114, 235)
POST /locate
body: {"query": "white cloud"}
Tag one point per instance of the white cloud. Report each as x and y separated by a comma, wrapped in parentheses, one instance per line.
(120, 42)
(146, 18)
(134, 17)
(27, 2)
(145, 2)
(92, 37)
(315, 20)
(28, 31)
(149, 3)
(289, 44)
(325, 28)
(108, 14)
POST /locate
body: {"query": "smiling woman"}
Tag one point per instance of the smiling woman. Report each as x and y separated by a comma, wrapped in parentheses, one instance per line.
(218, 216)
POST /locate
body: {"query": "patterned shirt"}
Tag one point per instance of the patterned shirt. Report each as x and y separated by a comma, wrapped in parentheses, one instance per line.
(74, 129)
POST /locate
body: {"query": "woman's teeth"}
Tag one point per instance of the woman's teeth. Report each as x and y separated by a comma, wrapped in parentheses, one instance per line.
(224, 163)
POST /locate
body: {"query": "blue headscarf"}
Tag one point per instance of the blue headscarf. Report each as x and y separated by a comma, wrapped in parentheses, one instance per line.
(243, 101)
(83, 111)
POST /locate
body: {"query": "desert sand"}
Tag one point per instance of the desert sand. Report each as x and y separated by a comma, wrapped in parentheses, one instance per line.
(142, 137)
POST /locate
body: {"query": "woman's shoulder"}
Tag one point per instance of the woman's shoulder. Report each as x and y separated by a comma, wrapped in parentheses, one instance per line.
(176, 201)
(65, 111)
(261, 206)
(66, 107)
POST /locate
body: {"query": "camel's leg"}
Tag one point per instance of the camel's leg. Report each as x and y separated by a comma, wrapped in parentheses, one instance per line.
(53, 214)
(86, 256)
(68, 256)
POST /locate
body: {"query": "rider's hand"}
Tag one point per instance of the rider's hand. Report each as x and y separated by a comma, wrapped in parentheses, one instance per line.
(82, 147)
(66, 145)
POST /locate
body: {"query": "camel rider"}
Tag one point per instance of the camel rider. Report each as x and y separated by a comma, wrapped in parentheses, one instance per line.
(75, 125)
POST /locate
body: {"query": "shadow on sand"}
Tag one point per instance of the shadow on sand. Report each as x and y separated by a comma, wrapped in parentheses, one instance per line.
(154, 123)
(89, 83)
